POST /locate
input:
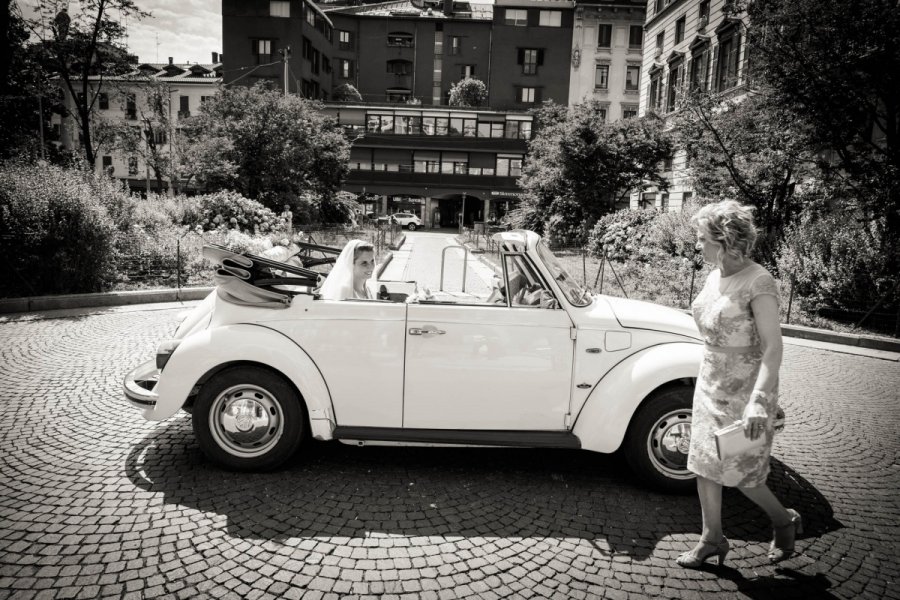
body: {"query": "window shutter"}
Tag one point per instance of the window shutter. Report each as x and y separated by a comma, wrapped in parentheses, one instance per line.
(538, 95)
(540, 57)
(521, 59)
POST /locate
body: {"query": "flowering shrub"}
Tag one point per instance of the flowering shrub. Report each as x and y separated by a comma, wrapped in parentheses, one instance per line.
(835, 261)
(56, 232)
(672, 234)
(622, 235)
(230, 210)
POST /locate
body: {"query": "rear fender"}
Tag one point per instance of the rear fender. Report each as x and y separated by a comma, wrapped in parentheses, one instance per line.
(205, 351)
(604, 418)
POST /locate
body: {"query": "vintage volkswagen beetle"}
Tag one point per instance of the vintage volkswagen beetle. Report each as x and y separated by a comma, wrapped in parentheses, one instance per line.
(262, 364)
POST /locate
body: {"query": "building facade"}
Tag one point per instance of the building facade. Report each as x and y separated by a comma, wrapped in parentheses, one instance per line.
(439, 163)
(607, 44)
(690, 45)
(256, 35)
(124, 101)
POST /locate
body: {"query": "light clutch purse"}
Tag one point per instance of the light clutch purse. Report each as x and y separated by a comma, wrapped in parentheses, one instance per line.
(731, 441)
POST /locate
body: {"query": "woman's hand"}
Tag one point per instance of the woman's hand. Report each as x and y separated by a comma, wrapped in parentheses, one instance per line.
(754, 419)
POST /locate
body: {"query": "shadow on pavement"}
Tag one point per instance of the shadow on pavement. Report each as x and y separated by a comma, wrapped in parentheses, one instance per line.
(339, 491)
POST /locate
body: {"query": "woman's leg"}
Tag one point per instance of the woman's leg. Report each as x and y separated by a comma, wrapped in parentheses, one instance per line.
(710, 494)
(763, 497)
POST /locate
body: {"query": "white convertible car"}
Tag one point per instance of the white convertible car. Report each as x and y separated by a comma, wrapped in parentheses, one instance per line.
(262, 364)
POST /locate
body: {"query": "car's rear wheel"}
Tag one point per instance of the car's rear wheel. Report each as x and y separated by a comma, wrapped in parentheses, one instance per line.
(248, 418)
(658, 439)
(411, 226)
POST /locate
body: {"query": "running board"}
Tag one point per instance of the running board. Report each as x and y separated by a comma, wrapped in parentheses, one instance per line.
(522, 439)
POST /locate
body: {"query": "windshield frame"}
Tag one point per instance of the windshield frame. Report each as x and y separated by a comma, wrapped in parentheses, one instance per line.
(574, 293)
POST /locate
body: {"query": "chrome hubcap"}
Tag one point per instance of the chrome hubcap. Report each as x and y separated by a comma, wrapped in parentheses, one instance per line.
(669, 442)
(246, 420)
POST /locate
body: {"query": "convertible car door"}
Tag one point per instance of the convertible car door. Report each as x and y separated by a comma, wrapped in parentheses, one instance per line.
(486, 367)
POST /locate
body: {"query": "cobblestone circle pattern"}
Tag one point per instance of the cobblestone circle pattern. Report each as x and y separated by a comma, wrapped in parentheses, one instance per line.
(96, 502)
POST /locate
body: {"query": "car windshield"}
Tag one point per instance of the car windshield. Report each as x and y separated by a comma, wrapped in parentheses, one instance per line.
(576, 293)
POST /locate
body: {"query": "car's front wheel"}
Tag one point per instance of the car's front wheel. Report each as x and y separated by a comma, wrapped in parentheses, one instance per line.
(411, 226)
(248, 419)
(658, 439)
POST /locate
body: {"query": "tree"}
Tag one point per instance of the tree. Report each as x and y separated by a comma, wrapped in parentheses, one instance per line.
(81, 50)
(470, 91)
(346, 93)
(20, 88)
(268, 146)
(155, 140)
(578, 167)
(750, 149)
(836, 66)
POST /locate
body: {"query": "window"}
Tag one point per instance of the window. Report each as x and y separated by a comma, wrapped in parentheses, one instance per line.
(467, 71)
(601, 77)
(205, 99)
(132, 165)
(700, 68)
(729, 52)
(438, 44)
(550, 18)
(531, 59)
(279, 8)
(399, 67)
(345, 41)
(673, 89)
(604, 36)
(158, 136)
(509, 165)
(602, 113)
(655, 96)
(107, 165)
(310, 14)
(704, 14)
(635, 36)
(629, 112)
(400, 39)
(455, 44)
(632, 78)
(660, 39)
(130, 106)
(104, 101)
(515, 16)
(487, 129)
(184, 107)
(527, 95)
(518, 130)
(679, 30)
(345, 68)
(262, 49)
(664, 202)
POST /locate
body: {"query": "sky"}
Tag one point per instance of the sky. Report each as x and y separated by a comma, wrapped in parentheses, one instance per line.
(187, 30)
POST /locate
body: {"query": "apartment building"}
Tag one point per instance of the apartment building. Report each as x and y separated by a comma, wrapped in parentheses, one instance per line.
(530, 52)
(122, 100)
(440, 163)
(607, 45)
(256, 35)
(689, 45)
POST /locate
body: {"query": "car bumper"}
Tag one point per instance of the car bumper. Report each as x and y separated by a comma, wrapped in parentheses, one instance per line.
(140, 385)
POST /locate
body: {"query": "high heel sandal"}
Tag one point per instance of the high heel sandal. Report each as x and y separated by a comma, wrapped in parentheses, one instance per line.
(782, 546)
(702, 551)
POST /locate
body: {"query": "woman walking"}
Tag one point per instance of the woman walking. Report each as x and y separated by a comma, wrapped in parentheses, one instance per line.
(737, 314)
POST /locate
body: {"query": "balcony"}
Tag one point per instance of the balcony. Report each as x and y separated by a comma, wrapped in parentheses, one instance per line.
(406, 178)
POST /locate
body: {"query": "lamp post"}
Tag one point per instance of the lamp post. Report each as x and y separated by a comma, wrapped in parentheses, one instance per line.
(462, 214)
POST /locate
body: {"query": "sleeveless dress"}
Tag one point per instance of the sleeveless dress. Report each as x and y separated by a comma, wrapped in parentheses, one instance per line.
(728, 374)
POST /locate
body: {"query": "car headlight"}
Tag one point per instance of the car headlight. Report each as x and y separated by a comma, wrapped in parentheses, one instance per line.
(164, 351)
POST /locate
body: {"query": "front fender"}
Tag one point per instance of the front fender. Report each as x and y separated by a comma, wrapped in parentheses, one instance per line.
(205, 350)
(604, 418)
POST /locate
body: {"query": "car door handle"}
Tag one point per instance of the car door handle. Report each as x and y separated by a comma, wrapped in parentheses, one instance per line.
(426, 331)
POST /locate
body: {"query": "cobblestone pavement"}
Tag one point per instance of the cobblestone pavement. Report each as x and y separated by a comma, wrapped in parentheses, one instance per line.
(97, 502)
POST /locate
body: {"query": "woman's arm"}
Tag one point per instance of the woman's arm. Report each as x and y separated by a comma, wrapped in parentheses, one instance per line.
(768, 325)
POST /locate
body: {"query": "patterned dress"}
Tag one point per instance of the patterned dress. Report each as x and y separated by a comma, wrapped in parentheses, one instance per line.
(731, 363)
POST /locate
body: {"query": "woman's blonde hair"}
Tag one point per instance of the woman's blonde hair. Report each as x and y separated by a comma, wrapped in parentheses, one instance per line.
(729, 224)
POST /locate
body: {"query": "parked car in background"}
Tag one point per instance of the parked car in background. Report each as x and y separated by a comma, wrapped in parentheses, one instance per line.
(408, 220)
(263, 364)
